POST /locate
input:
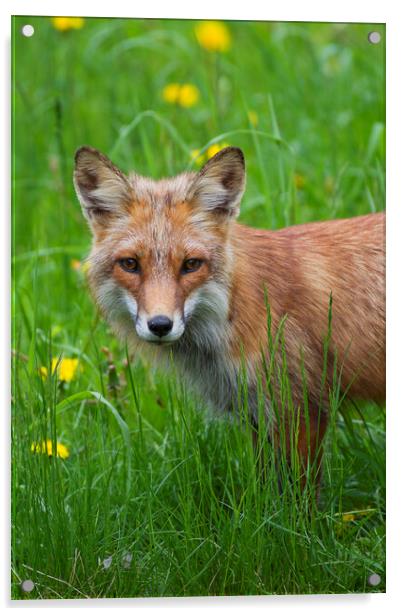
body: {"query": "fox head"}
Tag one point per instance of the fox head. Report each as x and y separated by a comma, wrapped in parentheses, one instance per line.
(160, 261)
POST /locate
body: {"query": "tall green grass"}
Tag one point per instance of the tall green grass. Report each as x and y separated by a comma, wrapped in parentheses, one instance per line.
(157, 497)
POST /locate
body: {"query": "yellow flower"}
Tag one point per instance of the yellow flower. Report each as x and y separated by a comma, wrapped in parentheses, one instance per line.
(185, 95)
(213, 35)
(47, 447)
(189, 95)
(348, 517)
(215, 148)
(67, 23)
(253, 117)
(79, 266)
(75, 265)
(170, 92)
(66, 368)
(197, 157)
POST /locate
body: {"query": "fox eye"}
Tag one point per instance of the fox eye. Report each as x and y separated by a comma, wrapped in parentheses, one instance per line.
(129, 265)
(191, 265)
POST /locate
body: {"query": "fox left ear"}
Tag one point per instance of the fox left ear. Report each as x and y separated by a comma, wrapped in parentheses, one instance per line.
(102, 189)
(219, 186)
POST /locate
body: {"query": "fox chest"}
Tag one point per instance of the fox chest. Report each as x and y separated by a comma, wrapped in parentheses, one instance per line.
(218, 381)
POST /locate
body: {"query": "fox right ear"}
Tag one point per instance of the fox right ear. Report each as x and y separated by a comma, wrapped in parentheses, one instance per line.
(102, 189)
(219, 186)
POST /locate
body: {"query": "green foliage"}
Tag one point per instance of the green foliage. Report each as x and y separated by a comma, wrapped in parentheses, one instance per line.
(171, 495)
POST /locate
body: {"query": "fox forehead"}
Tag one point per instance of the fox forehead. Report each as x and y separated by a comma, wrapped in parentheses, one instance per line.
(146, 226)
(161, 222)
(161, 192)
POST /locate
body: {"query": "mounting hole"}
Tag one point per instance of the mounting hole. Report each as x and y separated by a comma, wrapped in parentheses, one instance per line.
(374, 37)
(27, 586)
(374, 579)
(28, 30)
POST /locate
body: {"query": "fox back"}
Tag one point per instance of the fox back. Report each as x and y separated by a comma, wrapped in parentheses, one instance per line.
(177, 276)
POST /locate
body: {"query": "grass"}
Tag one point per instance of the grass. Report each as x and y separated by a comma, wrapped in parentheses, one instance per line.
(158, 498)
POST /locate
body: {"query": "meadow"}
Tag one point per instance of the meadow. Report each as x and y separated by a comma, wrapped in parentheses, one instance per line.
(122, 484)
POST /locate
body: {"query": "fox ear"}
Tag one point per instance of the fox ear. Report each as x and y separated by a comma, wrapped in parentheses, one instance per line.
(219, 186)
(102, 189)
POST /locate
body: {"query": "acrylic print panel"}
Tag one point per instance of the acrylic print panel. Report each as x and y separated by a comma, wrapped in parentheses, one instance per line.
(251, 459)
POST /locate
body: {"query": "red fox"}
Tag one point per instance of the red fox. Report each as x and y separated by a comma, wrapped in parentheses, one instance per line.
(172, 271)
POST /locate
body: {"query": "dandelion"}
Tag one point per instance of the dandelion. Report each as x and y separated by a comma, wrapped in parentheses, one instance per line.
(342, 523)
(213, 35)
(185, 95)
(78, 266)
(253, 118)
(63, 24)
(348, 517)
(75, 264)
(46, 447)
(189, 95)
(197, 157)
(170, 92)
(215, 148)
(66, 368)
(200, 158)
(43, 372)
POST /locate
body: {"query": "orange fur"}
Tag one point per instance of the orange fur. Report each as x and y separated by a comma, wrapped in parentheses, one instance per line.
(218, 311)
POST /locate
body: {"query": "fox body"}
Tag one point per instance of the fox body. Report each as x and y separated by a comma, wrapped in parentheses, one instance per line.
(178, 277)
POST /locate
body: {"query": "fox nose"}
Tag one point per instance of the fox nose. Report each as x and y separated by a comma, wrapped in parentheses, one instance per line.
(160, 325)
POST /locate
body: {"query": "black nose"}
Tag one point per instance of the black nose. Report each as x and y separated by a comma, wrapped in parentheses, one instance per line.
(160, 325)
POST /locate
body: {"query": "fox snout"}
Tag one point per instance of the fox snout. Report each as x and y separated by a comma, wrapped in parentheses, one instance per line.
(159, 328)
(159, 324)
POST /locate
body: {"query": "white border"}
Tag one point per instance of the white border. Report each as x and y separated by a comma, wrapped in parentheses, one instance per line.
(287, 10)
(384, 11)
